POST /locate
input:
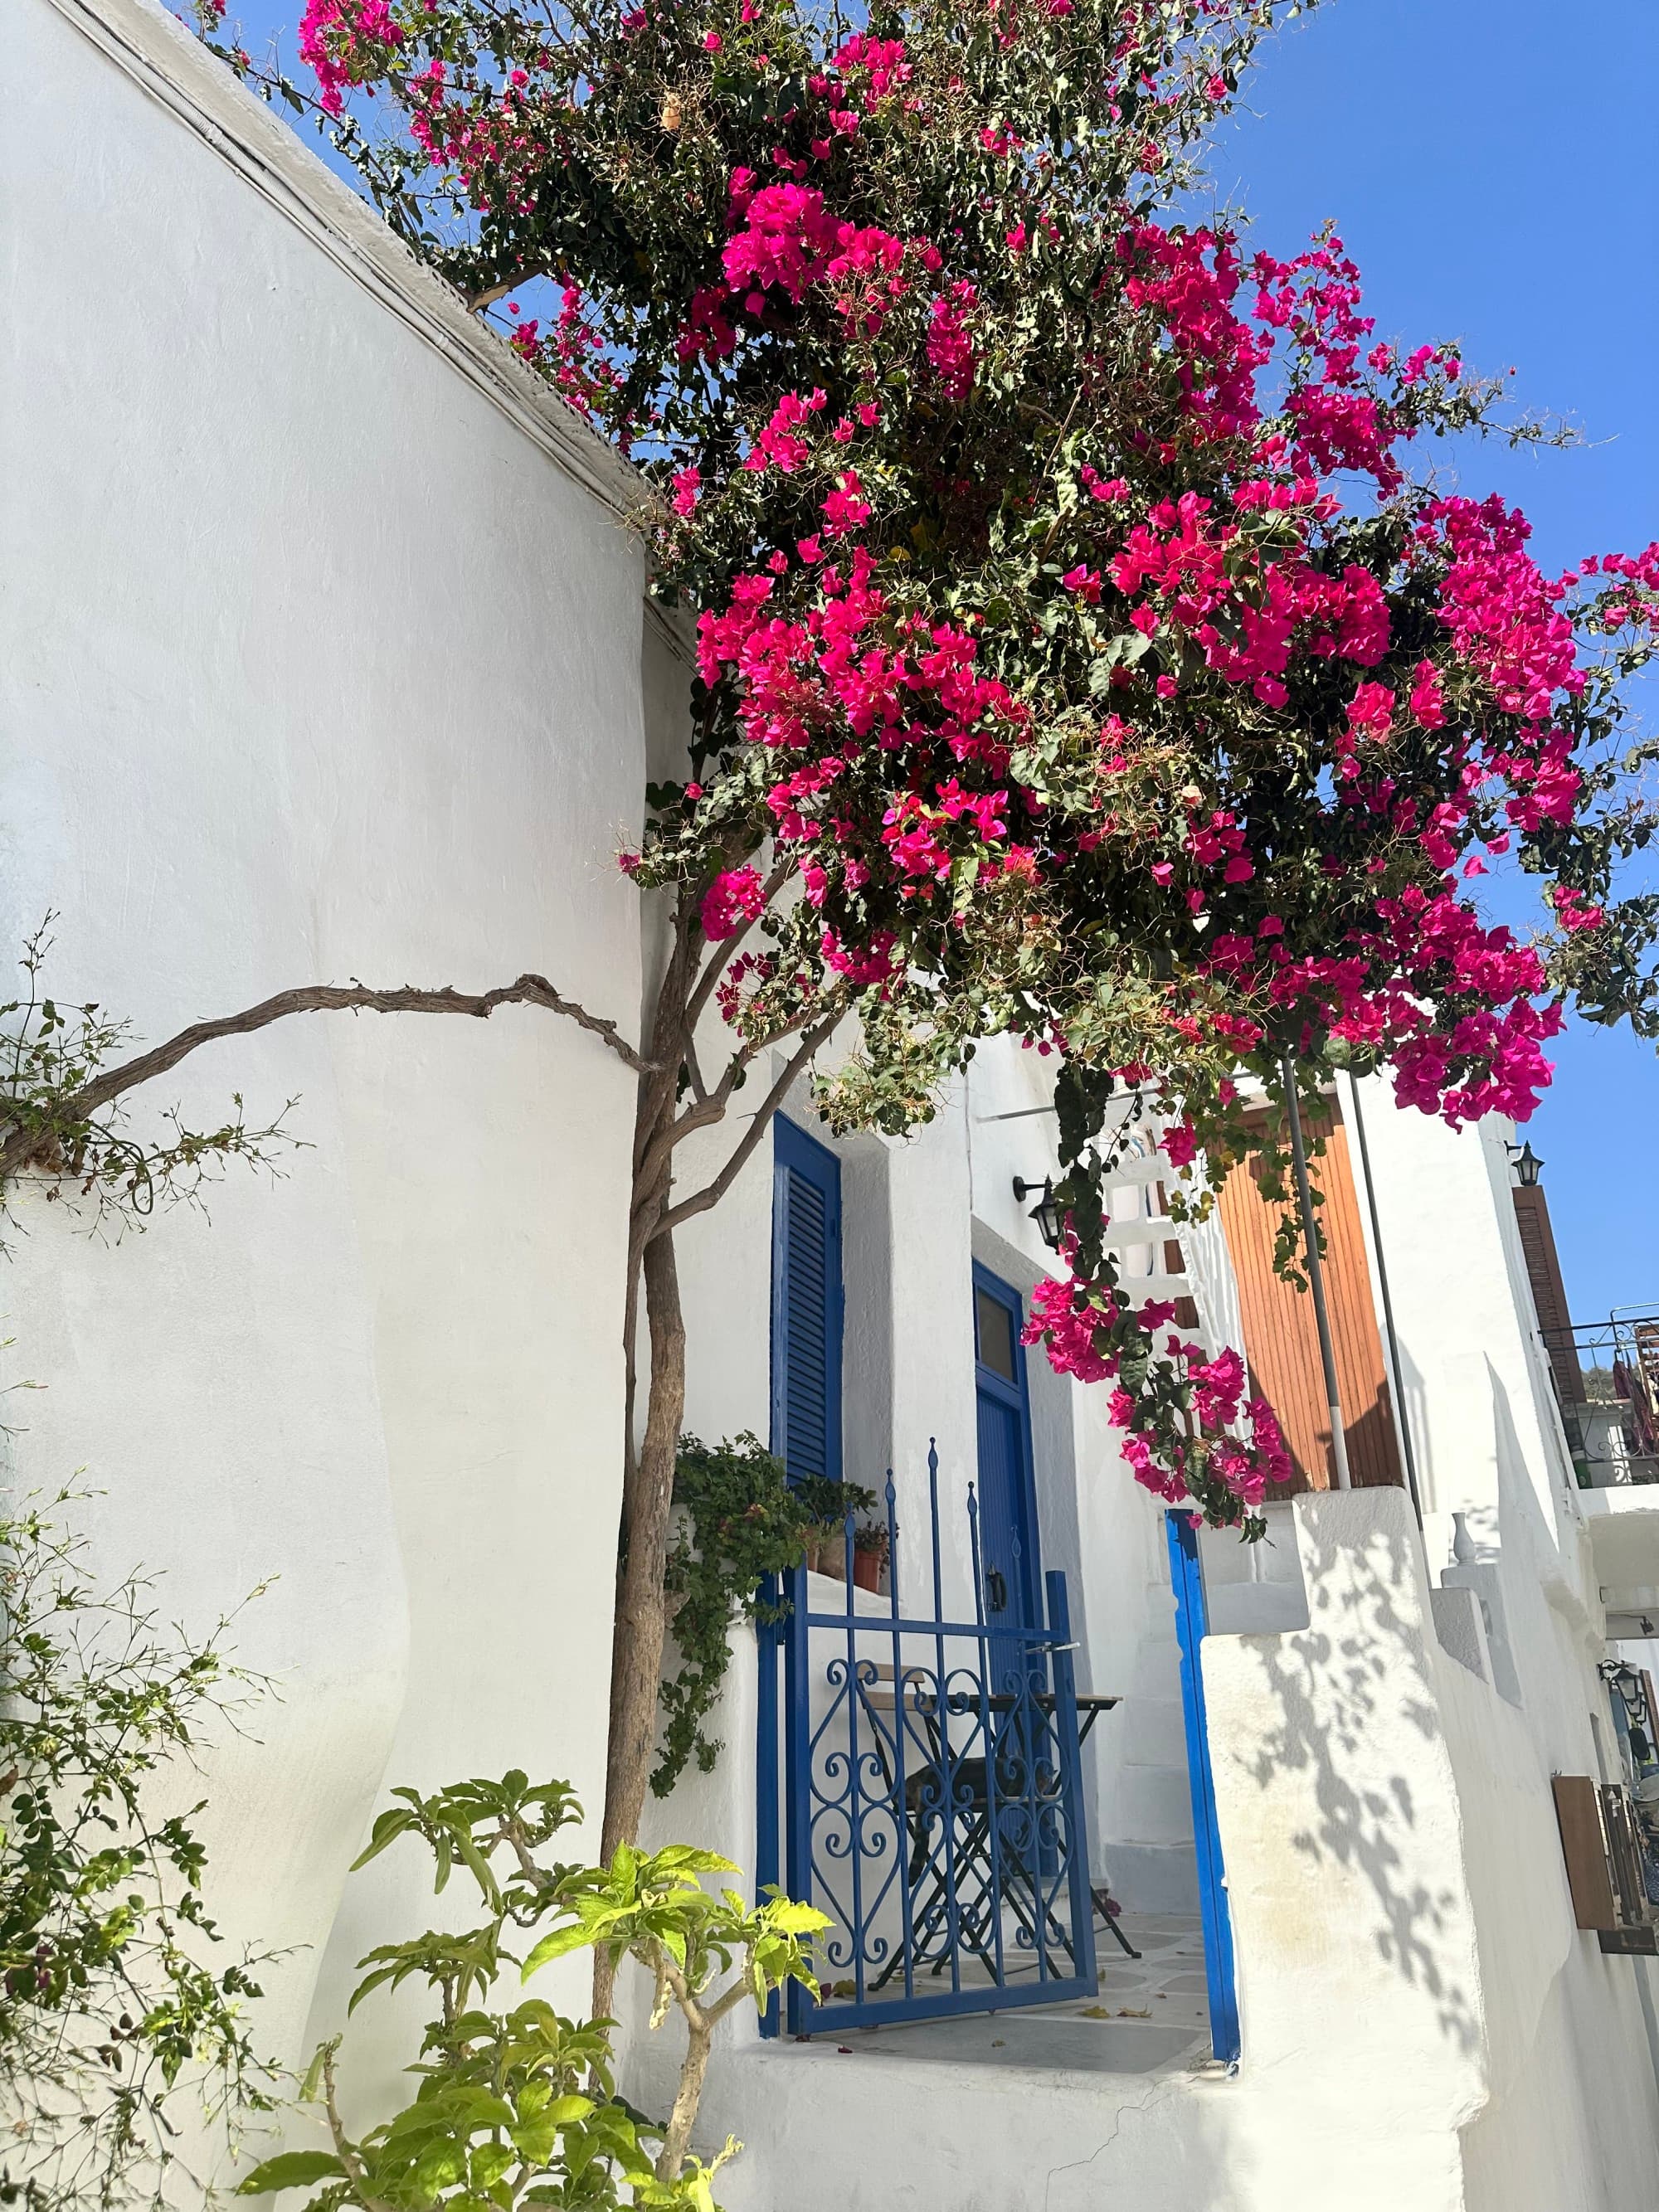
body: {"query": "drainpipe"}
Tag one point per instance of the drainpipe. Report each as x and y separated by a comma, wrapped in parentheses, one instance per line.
(1341, 1478)
(1402, 1421)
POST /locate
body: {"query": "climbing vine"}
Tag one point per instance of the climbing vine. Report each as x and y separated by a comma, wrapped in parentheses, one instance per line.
(745, 1522)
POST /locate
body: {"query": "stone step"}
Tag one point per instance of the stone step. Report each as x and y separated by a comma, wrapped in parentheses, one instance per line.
(1150, 1878)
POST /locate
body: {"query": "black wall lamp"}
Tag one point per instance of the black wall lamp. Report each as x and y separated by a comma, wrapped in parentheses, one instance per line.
(1526, 1164)
(1045, 1212)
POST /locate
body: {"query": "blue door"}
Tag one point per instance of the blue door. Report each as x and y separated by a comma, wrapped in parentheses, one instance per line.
(806, 1304)
(1010, 1570)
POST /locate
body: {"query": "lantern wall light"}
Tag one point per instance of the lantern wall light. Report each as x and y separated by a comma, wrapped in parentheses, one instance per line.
(1045, 1212)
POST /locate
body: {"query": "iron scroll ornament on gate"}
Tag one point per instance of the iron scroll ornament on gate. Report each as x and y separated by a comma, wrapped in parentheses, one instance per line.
(930, 1790)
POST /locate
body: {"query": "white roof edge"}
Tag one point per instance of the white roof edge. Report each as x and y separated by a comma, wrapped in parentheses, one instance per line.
(173, 67)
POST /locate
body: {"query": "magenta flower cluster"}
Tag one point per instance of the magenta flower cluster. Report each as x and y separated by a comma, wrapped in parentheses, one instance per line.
(1189, 707)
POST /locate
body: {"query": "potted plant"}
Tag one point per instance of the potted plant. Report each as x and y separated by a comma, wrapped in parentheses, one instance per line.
(829, 1502)
(826, 1551)
(869, 1554)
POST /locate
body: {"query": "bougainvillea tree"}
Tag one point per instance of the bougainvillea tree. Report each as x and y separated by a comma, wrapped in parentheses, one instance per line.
(1083, 654)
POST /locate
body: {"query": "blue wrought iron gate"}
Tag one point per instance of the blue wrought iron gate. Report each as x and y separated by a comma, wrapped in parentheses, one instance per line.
(929, 1793)
(1191, 1621)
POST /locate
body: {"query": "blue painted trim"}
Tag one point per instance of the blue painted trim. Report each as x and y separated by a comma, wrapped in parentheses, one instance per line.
(1018, 1398)
(1191, 1623)
(796, 1753)
(768, 1643)
(943, 2004)
(986, 1631)
(1078, 1858)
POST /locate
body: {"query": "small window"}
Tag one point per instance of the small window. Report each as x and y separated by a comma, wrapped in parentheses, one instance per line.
(994, 1326)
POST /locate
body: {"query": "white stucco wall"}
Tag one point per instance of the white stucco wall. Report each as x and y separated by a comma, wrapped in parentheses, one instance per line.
(1571, 2116)
(321, 659)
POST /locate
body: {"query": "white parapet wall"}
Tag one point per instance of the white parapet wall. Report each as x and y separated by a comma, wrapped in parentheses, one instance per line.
(1359, 1972)
(1407, 1962)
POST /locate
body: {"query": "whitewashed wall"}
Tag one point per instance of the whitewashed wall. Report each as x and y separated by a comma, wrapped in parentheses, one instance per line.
(1569, 2116)
(322, 657)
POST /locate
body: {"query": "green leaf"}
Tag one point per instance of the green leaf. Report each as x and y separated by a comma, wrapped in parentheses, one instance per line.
(313, 2082)
(796, 1919)
(292, 2169)
(555, 1945)
(489, 2161)
(687, 1858)
(387, 1828)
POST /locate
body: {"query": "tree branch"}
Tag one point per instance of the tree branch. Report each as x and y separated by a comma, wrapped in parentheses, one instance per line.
(478, 302)
(709, 1106)
(693, 1071)
(705, 1112)
(712, 1193)
(728, 2001)
(343, 2148)
(667, 1039)
(685, 1996)
(22, 1144)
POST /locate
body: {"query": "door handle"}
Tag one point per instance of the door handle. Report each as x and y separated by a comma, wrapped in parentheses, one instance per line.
(996, 1590)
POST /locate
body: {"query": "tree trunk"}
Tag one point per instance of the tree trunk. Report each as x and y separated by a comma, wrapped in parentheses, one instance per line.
(677, 2140)
(642, 1612)
(642, 1619)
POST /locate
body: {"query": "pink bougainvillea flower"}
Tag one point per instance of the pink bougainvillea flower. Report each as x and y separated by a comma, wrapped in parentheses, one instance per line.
(734, 897)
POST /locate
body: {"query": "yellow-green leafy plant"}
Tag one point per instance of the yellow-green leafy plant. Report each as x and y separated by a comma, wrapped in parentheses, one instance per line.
(519, 2107)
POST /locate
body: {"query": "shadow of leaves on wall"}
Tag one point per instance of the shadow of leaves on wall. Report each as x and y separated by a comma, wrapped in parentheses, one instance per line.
(1342, 1688)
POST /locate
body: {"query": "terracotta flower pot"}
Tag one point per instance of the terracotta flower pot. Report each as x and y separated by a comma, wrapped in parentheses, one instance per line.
(867, 1570)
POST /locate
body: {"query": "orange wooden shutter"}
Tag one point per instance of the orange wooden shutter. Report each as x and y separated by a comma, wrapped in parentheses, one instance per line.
(1281, 1339)
(1549, 1295)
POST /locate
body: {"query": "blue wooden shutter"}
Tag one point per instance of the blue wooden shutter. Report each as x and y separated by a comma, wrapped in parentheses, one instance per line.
(806, 1304)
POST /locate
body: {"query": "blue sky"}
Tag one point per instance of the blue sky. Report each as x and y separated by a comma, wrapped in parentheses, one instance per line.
(1489, 164)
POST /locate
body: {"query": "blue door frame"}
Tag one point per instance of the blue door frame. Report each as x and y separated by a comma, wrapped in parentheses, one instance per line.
(1191, 1623)
(1007, 1489)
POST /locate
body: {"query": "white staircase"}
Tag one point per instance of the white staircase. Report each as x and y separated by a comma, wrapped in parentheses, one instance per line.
(1145, 1819)
(1146, 1843)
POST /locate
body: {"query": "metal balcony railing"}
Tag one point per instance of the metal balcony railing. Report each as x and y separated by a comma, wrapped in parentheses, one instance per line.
(1606, 1378)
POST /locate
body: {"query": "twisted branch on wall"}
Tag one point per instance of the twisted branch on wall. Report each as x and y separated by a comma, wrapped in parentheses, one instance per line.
(24, 1145)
